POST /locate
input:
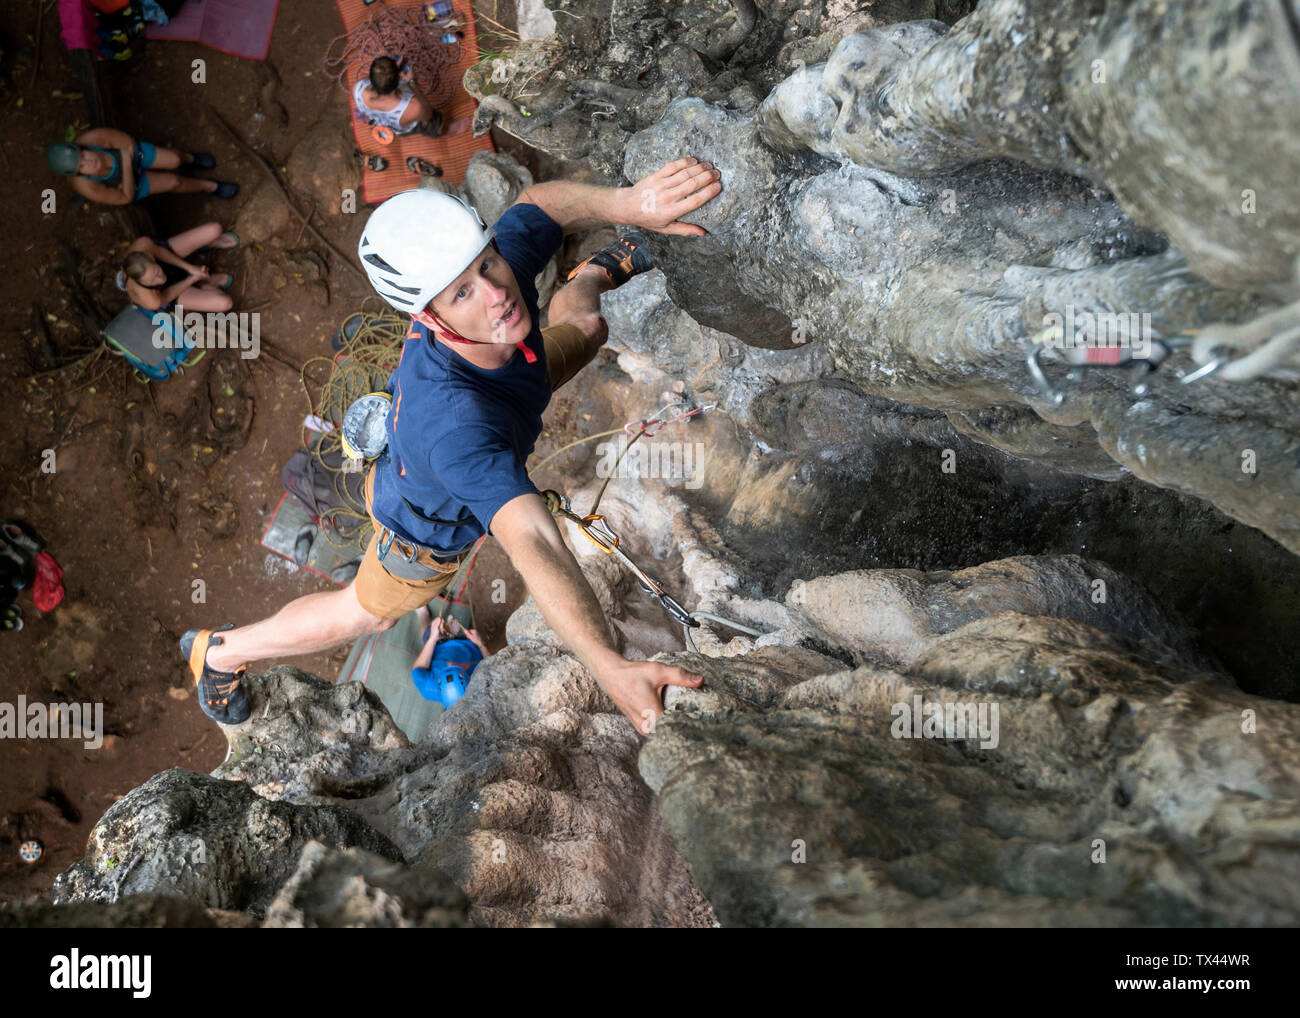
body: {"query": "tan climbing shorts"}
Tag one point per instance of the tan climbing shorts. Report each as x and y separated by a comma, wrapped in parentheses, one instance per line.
(386, 596)
(567, 352)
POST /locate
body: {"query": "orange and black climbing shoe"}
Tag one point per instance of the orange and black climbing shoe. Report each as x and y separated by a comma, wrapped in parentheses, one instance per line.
(626, 257)
(221, 694)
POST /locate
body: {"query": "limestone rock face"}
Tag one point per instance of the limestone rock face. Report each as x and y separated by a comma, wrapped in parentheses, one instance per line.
(914, 192)
(138, 911)
(351, 887)
(1106, 790)
(1018, 80)
(211, 841)
(307, 740)
(894, 613)
(531, 803)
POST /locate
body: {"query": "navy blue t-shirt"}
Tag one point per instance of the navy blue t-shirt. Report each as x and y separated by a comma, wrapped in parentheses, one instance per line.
(459, 435)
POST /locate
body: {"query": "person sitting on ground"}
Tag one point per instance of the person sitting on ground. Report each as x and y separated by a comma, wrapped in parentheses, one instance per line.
(477, 372)
(110, 167)
(156, 276)
(389, 98)
(450, 653)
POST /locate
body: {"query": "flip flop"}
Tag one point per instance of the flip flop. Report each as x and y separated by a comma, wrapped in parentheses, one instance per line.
(234, 237)
(425, 169)
(230, 281)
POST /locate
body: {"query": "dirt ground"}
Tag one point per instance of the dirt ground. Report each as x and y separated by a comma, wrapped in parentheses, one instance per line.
(156, 485)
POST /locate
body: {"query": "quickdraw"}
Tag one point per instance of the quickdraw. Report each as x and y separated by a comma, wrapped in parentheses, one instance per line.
(598, 531)
(1083, 359)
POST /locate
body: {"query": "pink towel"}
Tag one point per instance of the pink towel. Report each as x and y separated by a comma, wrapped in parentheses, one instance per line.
(78, 24)
(240, 27)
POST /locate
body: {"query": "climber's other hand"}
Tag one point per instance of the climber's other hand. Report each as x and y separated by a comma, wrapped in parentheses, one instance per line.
(636, 687)
(658, 202)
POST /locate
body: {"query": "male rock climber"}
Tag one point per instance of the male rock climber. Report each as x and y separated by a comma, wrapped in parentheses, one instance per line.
(476, 373)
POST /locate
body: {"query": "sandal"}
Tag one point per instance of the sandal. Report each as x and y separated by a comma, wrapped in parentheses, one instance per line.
(221, 694)
(234, 242)
(425, 169)
(228, 283)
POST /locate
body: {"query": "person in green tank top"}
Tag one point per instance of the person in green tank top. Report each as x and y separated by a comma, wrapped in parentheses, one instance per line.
(110, 167)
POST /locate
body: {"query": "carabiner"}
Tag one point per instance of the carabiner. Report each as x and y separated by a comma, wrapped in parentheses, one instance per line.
(678, 613)
(607, 541)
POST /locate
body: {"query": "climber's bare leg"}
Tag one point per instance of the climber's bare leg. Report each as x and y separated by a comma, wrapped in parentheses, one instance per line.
(309, 624)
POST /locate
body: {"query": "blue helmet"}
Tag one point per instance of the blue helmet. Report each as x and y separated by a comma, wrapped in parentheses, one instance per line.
(447, 677)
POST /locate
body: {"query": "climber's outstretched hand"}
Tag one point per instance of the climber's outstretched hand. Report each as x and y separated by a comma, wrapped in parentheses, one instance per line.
(658, 202)
(637, 687)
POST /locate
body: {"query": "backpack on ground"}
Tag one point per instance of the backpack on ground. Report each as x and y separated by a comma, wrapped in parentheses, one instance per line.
(154, 343)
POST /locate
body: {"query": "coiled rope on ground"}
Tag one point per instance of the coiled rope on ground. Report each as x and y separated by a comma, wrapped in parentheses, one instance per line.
(400, 33)
(371, 350)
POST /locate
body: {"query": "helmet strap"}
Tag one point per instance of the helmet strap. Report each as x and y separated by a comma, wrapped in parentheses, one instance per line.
(454, 337)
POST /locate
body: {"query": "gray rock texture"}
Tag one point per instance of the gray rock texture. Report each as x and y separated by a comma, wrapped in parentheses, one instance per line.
(351, 887)
(1123, 780)
(915, 192)
(1118, 792)
(213, 842)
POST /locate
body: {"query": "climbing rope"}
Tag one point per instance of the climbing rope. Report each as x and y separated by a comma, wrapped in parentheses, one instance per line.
(371, 350)
(596, 528)
(649, 426)
(1271, 341)
(400, 33)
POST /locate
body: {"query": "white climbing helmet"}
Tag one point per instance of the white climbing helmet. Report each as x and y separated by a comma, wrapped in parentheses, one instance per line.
(415, 245)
